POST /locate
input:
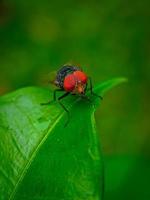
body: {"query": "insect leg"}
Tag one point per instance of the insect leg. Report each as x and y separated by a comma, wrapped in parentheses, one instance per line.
(67, 111)
(54, 96)
(85, 97)
(46, 103)
(91, 89)
(55, 91)
(85, 88)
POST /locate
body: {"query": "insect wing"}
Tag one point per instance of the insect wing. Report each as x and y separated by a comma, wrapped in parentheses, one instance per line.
(52, 77)
(47, 78)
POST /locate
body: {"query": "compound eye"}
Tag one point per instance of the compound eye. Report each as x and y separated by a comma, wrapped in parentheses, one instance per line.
(80, 76)
(69, 83)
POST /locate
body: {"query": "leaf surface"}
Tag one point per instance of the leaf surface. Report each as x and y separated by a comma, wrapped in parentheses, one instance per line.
(42, 159)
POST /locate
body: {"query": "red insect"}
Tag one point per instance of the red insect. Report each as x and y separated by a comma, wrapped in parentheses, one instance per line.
(72, 80)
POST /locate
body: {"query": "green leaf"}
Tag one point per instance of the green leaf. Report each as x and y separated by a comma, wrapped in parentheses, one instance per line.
(42, 159)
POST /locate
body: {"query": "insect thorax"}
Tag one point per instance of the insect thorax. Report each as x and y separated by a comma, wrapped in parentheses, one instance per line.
(63, 72)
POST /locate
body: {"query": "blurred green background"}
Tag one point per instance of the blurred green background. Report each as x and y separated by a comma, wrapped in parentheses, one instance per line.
(108, 39)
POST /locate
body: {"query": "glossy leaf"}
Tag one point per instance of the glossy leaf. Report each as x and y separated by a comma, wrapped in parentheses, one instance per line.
(40, 158)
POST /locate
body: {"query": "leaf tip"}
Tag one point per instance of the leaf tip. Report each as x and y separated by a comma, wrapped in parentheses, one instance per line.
(107, 85)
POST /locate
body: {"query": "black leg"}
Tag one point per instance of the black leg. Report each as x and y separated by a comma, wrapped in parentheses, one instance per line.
(91, 89)
(59, 98)
(67, 111)
(54, 97)
(85, 97)
(46, 103)
(55, 91)
(85, 88)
